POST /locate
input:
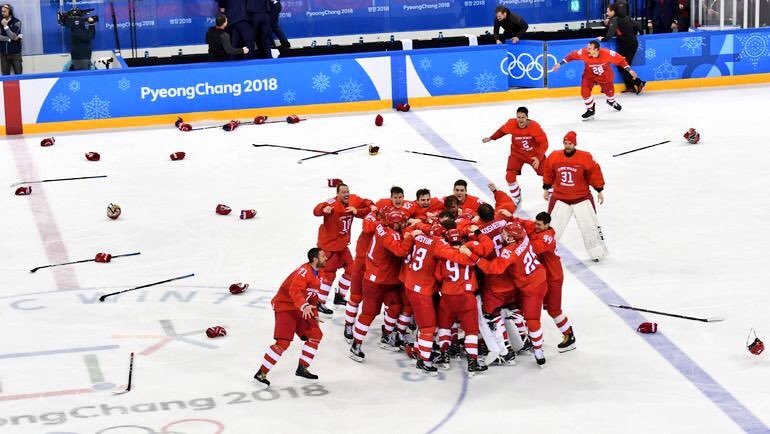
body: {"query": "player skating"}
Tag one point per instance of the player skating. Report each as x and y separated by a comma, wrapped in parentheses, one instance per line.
(528, 146)
(597, 72)
(571, 172)
(295, 313)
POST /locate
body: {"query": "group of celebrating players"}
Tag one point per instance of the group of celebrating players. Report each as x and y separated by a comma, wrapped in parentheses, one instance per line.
(452, 270)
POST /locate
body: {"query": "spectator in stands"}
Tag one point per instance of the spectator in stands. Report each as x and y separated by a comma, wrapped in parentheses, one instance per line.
(664, 15)
(219, 41)
(258, 12)
(10, 41)
(513, 25)
(625, 29)
(275, 15)
(82, 34)
(241, 33)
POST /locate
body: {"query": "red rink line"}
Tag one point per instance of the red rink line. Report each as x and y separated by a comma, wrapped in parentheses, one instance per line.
(45, 394)
(54, 247)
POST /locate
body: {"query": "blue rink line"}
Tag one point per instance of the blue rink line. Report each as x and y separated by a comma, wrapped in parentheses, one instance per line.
(717, 394)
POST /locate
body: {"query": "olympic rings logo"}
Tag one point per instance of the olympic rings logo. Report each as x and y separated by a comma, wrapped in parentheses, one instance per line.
(517, 67)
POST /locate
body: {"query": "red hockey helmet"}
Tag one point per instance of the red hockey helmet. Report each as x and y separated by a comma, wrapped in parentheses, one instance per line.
(515, 231)
(757, 346)
(692, 136)
(453, 236)
(396, 216)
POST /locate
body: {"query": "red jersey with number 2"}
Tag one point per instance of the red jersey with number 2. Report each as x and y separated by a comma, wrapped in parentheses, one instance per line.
(598, 68)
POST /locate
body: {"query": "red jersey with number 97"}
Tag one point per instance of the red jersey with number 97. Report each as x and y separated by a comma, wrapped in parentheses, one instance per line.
(420, 264)
(598, 68)
(526, 270)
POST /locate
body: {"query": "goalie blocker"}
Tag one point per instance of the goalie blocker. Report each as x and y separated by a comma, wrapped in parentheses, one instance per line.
(570, 173)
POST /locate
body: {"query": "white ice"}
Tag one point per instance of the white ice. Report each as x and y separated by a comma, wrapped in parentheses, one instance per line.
(685, 225)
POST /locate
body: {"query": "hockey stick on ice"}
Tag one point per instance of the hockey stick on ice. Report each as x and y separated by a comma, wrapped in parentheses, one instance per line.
(104, 297)
(442, 156)
(130, 377)
(80, 262)
(57, 179)
(643, 147)
(292, 147)
(333, 152)
(712, 319)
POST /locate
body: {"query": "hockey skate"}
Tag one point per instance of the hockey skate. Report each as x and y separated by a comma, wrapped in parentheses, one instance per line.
(304, 373)
(389, 342)
(640, 87)
(456, 349)
(348, 333)
(441, 361)
(540, 358)
(474, 368)
(615, 105)
(356, 353)
(322, 309)
(567, 342)
(590, 112)
(339, 300)
(262, 378)
(509, 359)
(527, 346)
(426, 368)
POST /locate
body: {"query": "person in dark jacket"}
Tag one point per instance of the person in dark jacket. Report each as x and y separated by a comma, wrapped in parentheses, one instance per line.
(623, 28)
(275, 15)
(239, 26)
(514, 26)
(258, 12)
(10, 41)
(218, 41)
(663, 15)
(83, 31)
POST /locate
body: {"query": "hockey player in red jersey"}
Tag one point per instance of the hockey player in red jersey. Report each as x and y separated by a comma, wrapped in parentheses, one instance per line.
(357, 271)
(465, 201)
(597, 72)
(381, 283)
(295, 313)
(334, 237)
(571, 172)
(458, 303)
(420, 286)
(528, 146)
(519, 259)
(426, 206)
(543, 239)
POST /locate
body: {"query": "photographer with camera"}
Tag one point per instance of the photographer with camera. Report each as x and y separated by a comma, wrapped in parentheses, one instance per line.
(10, 41)
(83, 31)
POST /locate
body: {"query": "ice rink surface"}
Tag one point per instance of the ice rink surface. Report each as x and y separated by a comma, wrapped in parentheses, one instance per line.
(685, 226)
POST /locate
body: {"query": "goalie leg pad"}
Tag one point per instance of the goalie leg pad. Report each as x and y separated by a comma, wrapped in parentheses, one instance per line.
(588, 222)
(560, 216)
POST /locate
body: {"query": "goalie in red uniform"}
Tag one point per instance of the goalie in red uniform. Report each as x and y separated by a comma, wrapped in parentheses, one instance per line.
(597, 72)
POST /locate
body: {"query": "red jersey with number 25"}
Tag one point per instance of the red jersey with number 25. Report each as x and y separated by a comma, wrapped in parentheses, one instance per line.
(598, 68)
(526, 270)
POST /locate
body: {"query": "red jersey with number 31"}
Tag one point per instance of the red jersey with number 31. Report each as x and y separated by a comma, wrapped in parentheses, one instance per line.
(598, 68)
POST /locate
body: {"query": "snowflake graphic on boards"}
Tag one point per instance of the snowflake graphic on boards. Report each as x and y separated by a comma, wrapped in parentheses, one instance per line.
(74, 86)
(571, 74)
(97, 108)
(460, 68)
(650, 53)
(124, 84)
(321, 82)
(426, 64)
(693, 43)
(351, 91)
(336, 68)
(60, 103)
(289, 96)
(438, 81)
(485, 82)
(754, 47)
(666, 71)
